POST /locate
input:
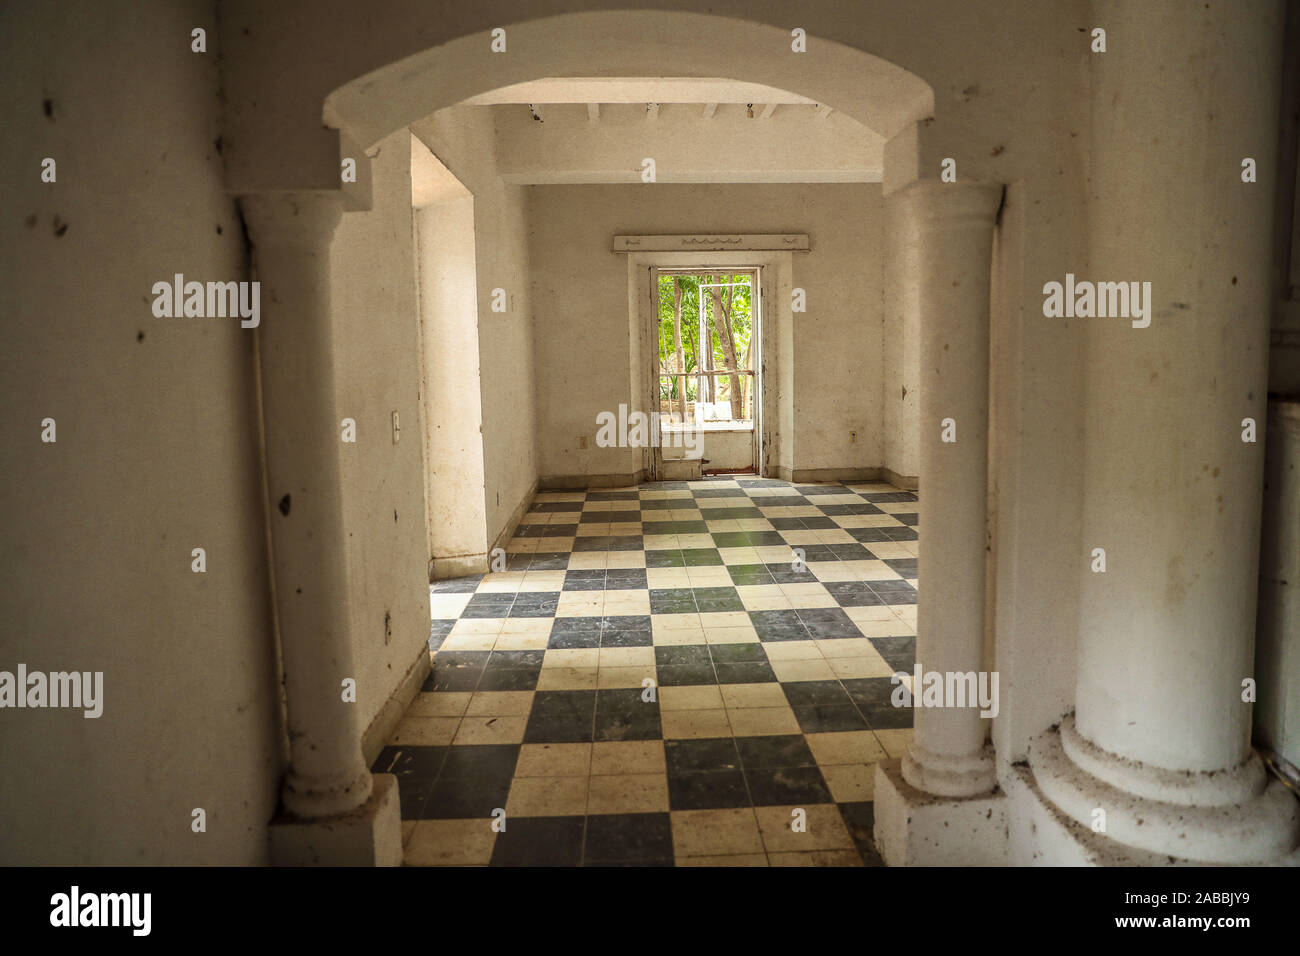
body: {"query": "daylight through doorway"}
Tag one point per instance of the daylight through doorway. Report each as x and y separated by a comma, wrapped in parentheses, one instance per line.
(709, 388)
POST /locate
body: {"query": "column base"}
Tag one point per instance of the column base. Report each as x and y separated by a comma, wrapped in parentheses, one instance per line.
(914, 828)
(315, 798)
(969, 775)
(1262, 826)
(370, 835)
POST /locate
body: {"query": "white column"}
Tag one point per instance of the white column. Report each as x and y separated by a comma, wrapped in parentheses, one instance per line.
(291, 235)
(952, 226)
(1172, 492)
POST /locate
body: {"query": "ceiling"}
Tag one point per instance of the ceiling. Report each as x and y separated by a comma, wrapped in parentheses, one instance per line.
(637, 90)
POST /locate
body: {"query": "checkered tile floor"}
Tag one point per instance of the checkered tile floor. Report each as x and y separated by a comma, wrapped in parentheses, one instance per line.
(770, 688)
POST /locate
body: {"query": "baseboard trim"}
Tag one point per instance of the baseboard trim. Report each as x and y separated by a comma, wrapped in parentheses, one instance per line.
(798, 475)
(681, 469)
(793, 475)
(386, 721)
(516, 516)
(459, 566)
(579, 482)
(906, 482)
(834, 474)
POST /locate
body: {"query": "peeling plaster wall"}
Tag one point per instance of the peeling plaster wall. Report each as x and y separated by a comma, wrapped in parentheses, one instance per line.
(156, 452)
(901, 401)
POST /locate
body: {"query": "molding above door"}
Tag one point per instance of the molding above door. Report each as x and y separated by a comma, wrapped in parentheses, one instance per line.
(712, 243)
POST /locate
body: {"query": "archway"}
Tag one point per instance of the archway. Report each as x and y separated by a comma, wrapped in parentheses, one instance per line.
(882, 96)
(879, 95)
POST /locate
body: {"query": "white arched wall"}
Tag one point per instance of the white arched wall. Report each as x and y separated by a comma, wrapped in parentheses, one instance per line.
(366, 105)
(1006, 104)
(877, 94)
(883, 97)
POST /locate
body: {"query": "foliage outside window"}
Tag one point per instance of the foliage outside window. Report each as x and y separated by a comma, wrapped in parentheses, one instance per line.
(722, 364)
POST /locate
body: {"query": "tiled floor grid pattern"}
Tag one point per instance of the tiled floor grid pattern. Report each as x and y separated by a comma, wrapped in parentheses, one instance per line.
(769, 681)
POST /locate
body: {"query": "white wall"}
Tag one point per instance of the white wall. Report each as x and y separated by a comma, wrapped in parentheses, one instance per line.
(901, 398)
(464, 140)
(377, 371)
(838, 344)
(156, 452)
(452, 396)
(730, 146)
(580, 300)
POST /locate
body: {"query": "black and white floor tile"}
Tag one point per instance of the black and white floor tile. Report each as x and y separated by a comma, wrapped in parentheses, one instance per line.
(769, 681)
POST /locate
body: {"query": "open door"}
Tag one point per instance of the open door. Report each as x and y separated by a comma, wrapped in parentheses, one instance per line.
(707, 369)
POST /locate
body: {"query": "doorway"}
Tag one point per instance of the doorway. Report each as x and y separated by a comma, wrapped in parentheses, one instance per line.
(446, 274)
(707, 371)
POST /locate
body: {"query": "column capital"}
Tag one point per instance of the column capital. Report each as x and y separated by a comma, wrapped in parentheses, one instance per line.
(308, 217)
(934, 203)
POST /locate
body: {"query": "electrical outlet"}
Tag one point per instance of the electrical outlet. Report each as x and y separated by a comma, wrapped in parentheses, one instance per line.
(582, 441)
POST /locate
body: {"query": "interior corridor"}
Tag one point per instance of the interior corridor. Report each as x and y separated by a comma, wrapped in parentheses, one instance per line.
(496, 433)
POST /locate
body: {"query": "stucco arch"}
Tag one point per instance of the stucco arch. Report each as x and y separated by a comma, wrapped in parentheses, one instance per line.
(881, 95)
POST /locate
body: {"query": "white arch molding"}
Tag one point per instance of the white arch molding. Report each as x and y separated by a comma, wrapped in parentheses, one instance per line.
(882, 96)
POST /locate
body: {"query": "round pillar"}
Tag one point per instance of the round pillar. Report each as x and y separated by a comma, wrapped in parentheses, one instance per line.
(952, 227)
(1160, 738)
(291, 235)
